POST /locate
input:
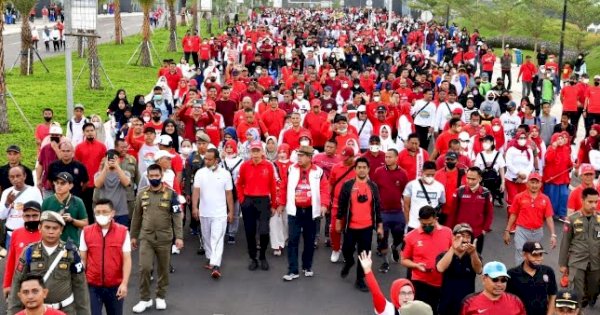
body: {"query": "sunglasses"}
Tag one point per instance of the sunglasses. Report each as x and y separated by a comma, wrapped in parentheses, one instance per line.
(499, 279)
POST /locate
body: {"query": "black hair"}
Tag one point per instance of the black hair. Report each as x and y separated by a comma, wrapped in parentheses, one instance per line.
(174, 136)
(33, 277)
(429, 165)
(154, 167)
(105, 201)
(427, 212)
(361, 160)
(589, 192)
(393, 150)
(476, 170)
(453, 121)
(374, 138)
(412, 135)
(47, 109)
(88, 124)
(214, 151)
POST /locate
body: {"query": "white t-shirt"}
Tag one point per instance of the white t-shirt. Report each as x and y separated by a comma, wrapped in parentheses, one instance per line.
(213, 185)
(413, 189)
(489, 158)
(126, 248)
(425, 117)
(367, 131)
(510, 124)
(146, 157)
(14, 214)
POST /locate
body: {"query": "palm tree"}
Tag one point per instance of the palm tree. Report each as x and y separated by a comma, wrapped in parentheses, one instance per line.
(118, 23)
(172, 26)
(4, 128)
(146, 59)
(24, 6)
(194, 12)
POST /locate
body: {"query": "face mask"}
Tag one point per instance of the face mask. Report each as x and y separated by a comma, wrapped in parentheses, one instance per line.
(157, 98)
(55, 139)
(586, 81)
(496, 128)
(96, 124)
(356, 86)
(265, 99)
(522, 142)
(428, 228)
(451, 165)
(326, 97)
(305, 142)
(299, 96)
(32, 225)
(289, 64)
(47, 119)
(377, 61)
(475, 92)
(343, 130)
(156, 118)
(186, 151)
(354, 59)
(102, 219)
(345, 86)
(146, 118)
(332, 75)
(428, 179)
(374, 148)
(464, 145)
(155, 182)
(486, 145)
(376, 98)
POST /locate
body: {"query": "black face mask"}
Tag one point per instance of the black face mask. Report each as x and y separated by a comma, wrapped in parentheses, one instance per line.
(596, 83)
(47, 119)
(532, 265)
(90, 139)
(451, 165)
(156, 118)
(32, 225)
(55, 139)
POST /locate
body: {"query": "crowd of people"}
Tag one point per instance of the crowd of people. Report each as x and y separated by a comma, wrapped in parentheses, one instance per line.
(318, 124)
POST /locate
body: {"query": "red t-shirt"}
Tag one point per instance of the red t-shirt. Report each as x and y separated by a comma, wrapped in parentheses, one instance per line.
(443, 141)
(569, 98)
(531, 212)
(20, 238)
(575, 201)
(48, 311)
(302, 194)
(421, 247)
(593, 95)
(41, 131)
(508, 304)
(409, 163)
(361, 211)
(90, 154)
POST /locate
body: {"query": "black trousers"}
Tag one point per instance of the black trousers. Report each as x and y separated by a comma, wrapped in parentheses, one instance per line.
(359, 240)
(194, 56)
(428, 294)
(507, 82)
(257, 213)
(423, 133)
(87, 198)
(574, 117)
(591, 119)
(479, 245)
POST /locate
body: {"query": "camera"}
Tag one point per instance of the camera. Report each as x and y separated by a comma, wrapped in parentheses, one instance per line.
(362, 198)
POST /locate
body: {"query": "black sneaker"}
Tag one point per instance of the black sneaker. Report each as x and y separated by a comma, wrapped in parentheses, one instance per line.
(253, 265)
(395, 255)
(346, 269)
(264, 265)
(328, 243)
(201, 250)
(171, 269)
(360, 285)
(384, 268)
(231, 240)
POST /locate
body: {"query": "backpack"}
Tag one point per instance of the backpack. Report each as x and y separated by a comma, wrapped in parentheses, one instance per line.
(490, 178)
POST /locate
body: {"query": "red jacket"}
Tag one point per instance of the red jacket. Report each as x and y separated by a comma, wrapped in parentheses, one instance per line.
(527, 71)
(204, 51)
(557, 164)
(474, 208)
(205, 119)
(313, 123)
(105, 255)
(19, 239)
(190, 43)
(487, 62)
(292, 137)
(173, 79)
(257, 180)
(274, 120)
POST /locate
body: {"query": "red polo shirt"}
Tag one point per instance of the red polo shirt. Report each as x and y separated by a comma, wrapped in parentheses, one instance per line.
(393, 183)
(257, 180)
(90, 154)
(361, 212)
(421, 247)
(507, 304)
(531, 212)
(442, 144)
(575, 200)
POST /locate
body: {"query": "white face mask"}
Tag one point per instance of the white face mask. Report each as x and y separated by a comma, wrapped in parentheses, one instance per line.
(376, 98)
(102, 219)
(186, 151)
(345, 86)
(374, 148)
(305, 142)
(146, 118)
(289, 64)
(97, 124)
(586, 81)
(522, 142)
(300, 96)
(343, 130)
(486, 145)
(428, 179)
(265, 99)
(332, 75)
(496, 128)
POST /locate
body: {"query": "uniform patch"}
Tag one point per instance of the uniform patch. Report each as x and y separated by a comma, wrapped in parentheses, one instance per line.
(20, 267)
(36, 254)
(545, 277)
(63, 266)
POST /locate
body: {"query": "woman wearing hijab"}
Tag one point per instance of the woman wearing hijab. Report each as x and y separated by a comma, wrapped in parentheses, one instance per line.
(588, 144)
(519, 164)
(232, 162)
(539, 150)
(557, 171)
(580, 66)
(278, 227)
(252, 134)
(138, 105)
(271, 149)
(385, 135)
(114, 104)
(103, 134)
(490, 160)
(405, 125)
(498, 134)
(170, 129)
(228, 134)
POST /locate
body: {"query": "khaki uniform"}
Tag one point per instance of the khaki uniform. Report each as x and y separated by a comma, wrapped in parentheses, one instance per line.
(156, 220)
(67, 279)
(128, 164)
(579, 250)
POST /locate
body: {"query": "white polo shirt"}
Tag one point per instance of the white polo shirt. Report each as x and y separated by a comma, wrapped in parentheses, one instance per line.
(435, 191)
(425, 113)
(213, 184)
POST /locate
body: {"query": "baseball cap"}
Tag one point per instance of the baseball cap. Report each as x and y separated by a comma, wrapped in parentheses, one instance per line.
(534, 175)
(495, 269)
(52, 217)
(256, 145)
(533, 248)
(156, 110)
(306, 149)
(315, 102)
(328, 88)
(339, 118)
(64, 176)
(80, 106)
(34, 205)
(165, 140)
(416, 308)
(161, 154)
(451, 156)
(457, 111)
(13, 148)
(586, 168)
(462, 227)
(511, 104)
(348, 152)
(55, 130)
(567, 299)
(361, 109)
(381, 108)
(203, 138)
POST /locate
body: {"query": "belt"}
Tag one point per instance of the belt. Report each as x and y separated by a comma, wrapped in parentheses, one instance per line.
(60, 305)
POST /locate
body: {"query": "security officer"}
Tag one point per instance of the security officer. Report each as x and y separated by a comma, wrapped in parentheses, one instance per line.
(578, 257)
(566, 303)
(60, 265)
(156, 219)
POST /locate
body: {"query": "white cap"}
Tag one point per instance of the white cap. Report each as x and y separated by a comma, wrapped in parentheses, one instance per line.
(361, 108)
(161, 154)
(165, 140)
(597, 77)
(55, 129)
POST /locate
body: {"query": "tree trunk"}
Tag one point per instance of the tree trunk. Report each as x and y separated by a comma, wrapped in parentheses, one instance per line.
(146, 60)
(4, 128)
(80, 47)
(172, 27)
(208, 18)
(94, 64)
(26, 45)
(183, 13)
(118, 24)
(194, 11)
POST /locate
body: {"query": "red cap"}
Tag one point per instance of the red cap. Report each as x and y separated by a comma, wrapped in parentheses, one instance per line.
(348, 152)
(315, 102)
(193, 82)
(211, 104)
(457, 111)
(284, 147)
(586, 168)
(256, 145)
(534, 175)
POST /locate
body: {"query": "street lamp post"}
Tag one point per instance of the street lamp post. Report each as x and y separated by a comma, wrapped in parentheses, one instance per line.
(68, 59)
(562, 38)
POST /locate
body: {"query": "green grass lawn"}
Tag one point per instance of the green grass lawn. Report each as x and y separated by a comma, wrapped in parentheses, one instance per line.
(41, 90)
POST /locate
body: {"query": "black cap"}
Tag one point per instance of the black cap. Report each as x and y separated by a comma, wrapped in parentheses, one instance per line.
(566, 299)
(451, 156)
(156, 110)
(381, 108)
(533, 248)
(339, 118)
(64, 176)
(33, 205)
(13, 148)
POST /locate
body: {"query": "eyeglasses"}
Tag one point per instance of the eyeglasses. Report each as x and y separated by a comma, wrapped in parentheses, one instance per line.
(499, 279)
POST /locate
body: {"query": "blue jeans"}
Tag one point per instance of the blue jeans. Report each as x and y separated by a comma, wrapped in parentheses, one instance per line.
(301, 223)
(122, 219)
(107, 297)
(558, 194)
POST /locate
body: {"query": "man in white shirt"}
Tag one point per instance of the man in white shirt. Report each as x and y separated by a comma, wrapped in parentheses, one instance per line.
(424, 191)
(444, 111)
(147, 150)
(213, 194)
(13, 199)
(75, 125)
(363, 126)
(423, 113)
(510, 121)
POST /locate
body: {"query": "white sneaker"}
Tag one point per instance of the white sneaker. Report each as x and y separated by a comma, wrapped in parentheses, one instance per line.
(308, 273)
(175, 250)
(161, 304)
(335, 256)
(290, 276)
(142, 306)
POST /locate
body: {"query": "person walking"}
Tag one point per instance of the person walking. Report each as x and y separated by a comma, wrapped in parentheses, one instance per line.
(65, 280)
(32, 293)
(340, 173)
(156, 220)
(106, 254)
(212, 204)
(359, 207)
(305, 194)
(579, 246)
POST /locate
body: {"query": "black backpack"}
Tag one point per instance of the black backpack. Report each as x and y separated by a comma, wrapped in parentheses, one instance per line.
(490, 178)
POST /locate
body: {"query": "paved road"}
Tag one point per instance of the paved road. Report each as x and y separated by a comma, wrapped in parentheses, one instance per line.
(12, 38)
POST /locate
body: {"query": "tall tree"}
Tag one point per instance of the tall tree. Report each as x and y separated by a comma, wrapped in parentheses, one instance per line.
(24, 6)
(501, 16)
(146, 58)
(534, 20)
(118, 23)
(442, 8)
(172, 26)
(183, 13)
(581, 13)
(4, 128)
(194, 12)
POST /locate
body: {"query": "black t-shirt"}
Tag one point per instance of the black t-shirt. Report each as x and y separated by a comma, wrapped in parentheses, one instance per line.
(75, 168)
(458, 281)
(532, 290)
(5, 182)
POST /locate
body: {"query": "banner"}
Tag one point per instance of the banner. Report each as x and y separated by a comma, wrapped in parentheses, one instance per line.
(277, 3)
(84, 14)
(206, 5)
